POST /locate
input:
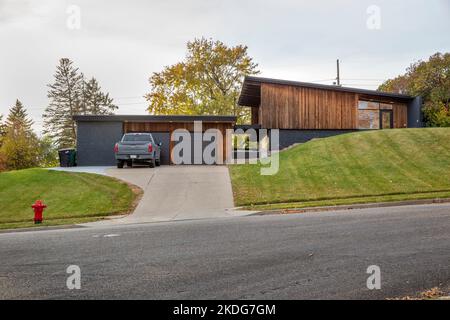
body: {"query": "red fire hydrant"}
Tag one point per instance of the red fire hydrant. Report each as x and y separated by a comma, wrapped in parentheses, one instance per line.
(38, 207)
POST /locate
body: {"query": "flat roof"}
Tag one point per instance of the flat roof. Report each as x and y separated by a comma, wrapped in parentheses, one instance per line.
(152, 118)
(251, 90)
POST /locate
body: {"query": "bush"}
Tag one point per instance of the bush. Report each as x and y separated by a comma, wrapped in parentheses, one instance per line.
(20, 151)
(48, 153)
(2, 162)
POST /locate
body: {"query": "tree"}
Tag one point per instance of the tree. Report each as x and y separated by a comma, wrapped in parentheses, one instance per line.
(18, 118)
(65, 96)
(70, 95)
(20, 145)
(48, 153)
(95, 101)
(208, 81)
(2, 129)
(431, 80)
(2, 135)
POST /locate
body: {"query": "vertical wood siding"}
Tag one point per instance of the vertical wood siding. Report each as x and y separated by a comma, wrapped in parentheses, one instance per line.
(255, 115)
(289, 107)
(171, 126)
(399, 113)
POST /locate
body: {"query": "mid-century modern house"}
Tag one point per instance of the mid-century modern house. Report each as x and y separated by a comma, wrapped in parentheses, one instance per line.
(300, 110)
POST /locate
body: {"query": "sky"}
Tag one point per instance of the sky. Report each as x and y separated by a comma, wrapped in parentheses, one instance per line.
(122, 43)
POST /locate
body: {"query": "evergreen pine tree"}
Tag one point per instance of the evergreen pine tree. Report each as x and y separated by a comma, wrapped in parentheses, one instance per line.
(20, 145)
(95, 101)
(18, 118)
(70, 95)
(65, 96)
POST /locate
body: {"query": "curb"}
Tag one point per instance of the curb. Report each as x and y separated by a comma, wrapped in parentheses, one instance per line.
(353, 206)
(62, 226)
(45, 228)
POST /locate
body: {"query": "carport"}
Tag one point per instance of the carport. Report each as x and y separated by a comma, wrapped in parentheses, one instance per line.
(96, 135)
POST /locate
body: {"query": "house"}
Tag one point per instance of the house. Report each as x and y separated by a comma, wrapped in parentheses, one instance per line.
(96, 135)
(302, 111)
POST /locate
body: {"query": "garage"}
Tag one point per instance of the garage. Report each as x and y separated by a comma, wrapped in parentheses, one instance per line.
(96, 136)
(164, 139)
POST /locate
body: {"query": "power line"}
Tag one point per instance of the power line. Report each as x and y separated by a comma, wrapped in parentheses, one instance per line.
(131, 103)
(129, 97)
(365, 79)
(323, 80)
(119, 104)
(361, 84)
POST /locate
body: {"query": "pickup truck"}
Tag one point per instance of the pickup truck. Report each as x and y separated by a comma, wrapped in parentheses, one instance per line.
(137, 148)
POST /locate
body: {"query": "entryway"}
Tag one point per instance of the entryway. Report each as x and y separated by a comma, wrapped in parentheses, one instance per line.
(386, 119)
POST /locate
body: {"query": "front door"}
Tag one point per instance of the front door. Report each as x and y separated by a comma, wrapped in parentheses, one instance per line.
(386, 119)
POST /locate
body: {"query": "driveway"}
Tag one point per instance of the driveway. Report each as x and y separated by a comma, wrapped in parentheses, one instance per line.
(177, 193)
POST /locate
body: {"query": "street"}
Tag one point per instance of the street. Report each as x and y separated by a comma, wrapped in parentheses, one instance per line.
(305, 256)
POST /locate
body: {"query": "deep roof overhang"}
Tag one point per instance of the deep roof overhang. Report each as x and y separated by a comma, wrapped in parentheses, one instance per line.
(153, 118)
(251, 90)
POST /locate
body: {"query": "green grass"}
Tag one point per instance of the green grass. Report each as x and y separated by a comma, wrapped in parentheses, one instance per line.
(70, 197)
(370, 166)
(350, 201)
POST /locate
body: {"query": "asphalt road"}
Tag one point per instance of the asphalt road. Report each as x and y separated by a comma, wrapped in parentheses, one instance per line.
(307, 256)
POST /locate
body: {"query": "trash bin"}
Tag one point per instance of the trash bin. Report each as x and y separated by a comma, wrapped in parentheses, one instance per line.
(67, 157)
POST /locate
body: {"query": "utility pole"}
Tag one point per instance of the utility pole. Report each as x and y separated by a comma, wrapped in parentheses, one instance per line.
(338, 78)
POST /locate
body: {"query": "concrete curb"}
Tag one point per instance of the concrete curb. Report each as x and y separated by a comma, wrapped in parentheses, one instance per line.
(61, 226)
(43, 228)
(353, 206)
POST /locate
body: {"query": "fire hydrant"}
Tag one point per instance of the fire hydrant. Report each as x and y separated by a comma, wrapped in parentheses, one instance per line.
(38, 207)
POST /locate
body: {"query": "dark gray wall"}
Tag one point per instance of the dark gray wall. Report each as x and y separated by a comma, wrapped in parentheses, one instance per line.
(95, 142)
(164, 138)
(290, 137)
(415, 113)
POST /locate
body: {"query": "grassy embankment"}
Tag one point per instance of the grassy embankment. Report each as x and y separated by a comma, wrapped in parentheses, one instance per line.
(361, 167)
(71, 197)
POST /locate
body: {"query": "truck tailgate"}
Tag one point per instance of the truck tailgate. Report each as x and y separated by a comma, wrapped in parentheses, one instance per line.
(133, 148)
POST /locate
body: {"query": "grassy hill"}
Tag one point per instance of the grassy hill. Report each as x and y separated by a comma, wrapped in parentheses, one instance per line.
(359, 167)
(70, 197)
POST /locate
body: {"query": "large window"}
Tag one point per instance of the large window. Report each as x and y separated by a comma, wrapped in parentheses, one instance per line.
(370, 113)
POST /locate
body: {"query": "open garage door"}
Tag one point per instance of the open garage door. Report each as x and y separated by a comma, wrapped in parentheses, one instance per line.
(197, 150)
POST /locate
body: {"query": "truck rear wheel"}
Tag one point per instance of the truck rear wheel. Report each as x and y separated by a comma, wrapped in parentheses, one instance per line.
(152, 164)
(120, 164)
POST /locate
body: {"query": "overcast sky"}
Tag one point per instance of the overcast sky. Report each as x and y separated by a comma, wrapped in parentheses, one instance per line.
(122, 42)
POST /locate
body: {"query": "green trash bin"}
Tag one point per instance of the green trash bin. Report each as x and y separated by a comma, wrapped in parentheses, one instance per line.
(67, 157)
(73, 158)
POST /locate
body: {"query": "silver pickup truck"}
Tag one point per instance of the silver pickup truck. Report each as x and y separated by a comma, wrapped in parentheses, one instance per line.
(137, 148)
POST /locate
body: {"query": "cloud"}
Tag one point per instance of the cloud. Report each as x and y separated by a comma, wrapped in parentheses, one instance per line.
(122, 42)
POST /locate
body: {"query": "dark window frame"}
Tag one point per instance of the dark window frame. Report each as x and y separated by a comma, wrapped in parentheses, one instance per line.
(380, 110)
(391, 112)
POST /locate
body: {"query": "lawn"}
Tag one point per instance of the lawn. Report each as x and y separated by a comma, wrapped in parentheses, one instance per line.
(369, 166)
(70, 197)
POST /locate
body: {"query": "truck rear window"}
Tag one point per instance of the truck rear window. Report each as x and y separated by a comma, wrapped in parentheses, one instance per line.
(137, 137)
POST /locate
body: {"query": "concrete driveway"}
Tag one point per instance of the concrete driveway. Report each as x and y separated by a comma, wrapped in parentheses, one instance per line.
(178, 193)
